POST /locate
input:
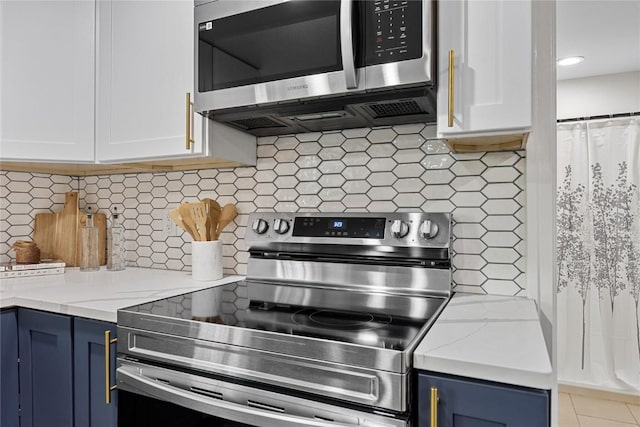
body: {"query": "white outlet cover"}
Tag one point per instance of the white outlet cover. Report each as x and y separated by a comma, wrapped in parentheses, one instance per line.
(168, 225)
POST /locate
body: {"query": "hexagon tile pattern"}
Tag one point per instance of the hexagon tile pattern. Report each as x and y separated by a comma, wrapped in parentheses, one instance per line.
(385, 169)
(24, 194)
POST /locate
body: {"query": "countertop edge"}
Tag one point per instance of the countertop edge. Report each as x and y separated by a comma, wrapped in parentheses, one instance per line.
(517, 377)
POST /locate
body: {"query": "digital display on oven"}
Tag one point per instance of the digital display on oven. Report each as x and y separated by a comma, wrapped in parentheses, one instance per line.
(338, 224)
(354, 228)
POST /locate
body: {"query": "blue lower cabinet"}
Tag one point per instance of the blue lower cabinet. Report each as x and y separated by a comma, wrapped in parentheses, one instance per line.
(46, 369)
(91, 407)
(9, 388)
(465, 402)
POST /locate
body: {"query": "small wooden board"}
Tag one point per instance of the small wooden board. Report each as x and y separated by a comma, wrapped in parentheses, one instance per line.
(58, 234)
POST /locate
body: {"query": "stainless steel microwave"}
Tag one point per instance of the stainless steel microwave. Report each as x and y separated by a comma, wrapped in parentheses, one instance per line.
(283, 66)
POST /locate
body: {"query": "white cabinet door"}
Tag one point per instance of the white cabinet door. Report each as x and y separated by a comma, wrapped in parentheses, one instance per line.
(491, 41)
(145, 69)
(47, 64)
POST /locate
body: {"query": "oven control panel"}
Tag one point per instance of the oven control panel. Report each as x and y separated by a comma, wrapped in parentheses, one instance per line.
(418, 229)
(340, 226)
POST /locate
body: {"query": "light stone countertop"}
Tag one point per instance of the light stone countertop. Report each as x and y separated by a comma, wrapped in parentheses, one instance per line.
(99, 294)
(494, 338)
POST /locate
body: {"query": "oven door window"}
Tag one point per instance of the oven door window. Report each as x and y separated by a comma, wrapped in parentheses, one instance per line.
(287, 40)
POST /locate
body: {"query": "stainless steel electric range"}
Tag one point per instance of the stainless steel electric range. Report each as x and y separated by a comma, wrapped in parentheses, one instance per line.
(321, 332)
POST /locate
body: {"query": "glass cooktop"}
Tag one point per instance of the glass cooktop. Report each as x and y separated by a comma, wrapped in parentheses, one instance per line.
(364, 318)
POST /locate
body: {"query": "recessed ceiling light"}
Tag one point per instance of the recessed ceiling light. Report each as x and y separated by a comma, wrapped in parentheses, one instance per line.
(570, 60)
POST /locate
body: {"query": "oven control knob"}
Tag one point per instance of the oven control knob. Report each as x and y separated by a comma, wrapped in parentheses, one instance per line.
(260, 226)
(399, 228)
(280, 226)
(428, 229)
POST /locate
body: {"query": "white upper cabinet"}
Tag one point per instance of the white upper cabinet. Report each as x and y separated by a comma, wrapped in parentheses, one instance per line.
(492, 57)
(145, 70)
(47, 80)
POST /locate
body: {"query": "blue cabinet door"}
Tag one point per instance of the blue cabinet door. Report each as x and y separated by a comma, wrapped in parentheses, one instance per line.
(91, 409)
(9, 389)
(46, 370)
(464, 402)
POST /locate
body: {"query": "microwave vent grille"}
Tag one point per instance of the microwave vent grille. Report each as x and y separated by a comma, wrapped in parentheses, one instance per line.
(393, 109)
(257, 123)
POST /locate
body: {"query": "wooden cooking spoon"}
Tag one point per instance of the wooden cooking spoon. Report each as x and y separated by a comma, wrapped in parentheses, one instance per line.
(228, 214)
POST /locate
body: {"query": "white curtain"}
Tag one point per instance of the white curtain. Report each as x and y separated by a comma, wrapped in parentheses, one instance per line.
(599, 254)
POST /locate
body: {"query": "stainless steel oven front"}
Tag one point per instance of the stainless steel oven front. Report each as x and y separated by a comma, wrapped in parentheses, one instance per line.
(151, 396)
(256, 52)
(321, 332)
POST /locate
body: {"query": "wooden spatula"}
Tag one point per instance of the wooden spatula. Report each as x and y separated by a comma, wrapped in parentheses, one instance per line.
(190, 225)
(213, 216)
(177, 219)
(227, 215)
(199, 216)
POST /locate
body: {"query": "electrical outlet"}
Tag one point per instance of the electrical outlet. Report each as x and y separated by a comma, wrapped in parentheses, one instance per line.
(168, 225)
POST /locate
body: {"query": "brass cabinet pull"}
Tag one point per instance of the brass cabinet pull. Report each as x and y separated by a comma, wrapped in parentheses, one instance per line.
(434, 407)
(450, 115)
(189, 122)
(108, 388)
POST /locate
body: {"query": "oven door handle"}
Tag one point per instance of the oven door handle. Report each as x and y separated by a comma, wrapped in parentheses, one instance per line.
(346, 44)
(212, 406)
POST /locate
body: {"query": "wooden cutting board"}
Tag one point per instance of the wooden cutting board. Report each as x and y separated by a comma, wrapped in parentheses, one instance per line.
(58, 234)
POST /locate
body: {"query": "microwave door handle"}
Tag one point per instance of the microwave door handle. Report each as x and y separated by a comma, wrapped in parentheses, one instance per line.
(346, 44)
(140, 384)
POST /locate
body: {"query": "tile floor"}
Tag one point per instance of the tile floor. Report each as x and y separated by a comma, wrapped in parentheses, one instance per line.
(586, 411)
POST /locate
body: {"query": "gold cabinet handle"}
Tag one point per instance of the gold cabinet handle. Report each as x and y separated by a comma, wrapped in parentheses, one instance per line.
(450, 114)
(434, 407)
(189, 122)
(108, 388)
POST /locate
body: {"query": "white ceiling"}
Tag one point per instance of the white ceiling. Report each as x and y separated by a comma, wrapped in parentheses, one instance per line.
(605, 32)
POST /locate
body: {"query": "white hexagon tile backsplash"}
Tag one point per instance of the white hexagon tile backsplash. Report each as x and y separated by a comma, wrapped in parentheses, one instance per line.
(383, 169)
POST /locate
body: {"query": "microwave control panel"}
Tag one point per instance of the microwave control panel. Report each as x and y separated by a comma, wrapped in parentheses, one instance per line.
(393, 30)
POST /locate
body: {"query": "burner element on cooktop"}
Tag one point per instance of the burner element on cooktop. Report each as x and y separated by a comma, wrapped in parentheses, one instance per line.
(341, 320)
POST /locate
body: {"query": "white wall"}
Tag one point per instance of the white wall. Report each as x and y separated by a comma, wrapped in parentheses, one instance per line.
(599, 95)
(541, 182)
